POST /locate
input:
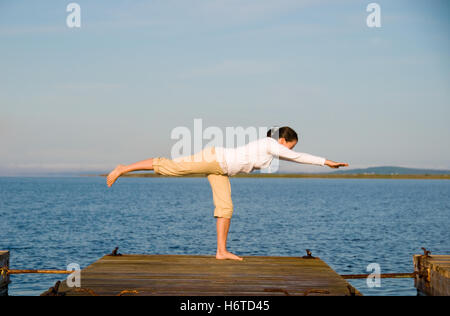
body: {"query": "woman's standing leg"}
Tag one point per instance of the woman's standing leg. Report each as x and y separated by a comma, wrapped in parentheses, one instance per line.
(223, 225)
(221, 189)
(122, 169)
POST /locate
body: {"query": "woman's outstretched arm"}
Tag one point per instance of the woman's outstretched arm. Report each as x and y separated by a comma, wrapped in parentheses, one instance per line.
(285, 153)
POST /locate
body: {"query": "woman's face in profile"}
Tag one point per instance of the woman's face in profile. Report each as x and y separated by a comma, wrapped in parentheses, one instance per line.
(289, 145)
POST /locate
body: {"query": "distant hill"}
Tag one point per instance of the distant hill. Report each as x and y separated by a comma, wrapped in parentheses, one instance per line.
(391, 170)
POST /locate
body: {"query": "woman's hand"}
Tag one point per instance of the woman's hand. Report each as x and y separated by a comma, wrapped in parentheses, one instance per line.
(333, 164)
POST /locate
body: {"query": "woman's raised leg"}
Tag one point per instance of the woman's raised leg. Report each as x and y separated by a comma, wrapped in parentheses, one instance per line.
(122, 169)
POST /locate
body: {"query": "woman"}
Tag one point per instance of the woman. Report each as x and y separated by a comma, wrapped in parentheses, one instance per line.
(218, 164)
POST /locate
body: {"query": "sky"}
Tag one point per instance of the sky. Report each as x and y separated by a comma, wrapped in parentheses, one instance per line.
(85, 99)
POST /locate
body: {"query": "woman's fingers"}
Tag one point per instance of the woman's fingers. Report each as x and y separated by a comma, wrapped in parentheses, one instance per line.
(340, 164)
(335, 165)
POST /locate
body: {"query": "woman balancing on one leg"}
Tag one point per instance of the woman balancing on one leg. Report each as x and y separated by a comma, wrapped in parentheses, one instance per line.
(219, 163)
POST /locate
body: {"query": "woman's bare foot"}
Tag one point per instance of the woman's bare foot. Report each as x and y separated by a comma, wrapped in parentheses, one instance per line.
(113, 175)
(227, 255)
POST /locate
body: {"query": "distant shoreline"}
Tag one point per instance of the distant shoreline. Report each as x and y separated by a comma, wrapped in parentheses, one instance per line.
(302, 175)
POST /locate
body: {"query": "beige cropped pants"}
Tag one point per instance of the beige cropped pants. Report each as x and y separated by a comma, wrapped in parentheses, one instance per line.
(203, 162)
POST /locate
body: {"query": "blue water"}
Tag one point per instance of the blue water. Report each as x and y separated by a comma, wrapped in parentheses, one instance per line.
(349, 223)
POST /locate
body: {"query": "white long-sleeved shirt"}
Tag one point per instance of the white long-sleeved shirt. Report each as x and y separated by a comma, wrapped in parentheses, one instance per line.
(259, 155)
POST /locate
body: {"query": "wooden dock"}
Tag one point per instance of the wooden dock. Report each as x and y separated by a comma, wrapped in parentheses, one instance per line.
(183, 275)
(432, 274)
(4, 277)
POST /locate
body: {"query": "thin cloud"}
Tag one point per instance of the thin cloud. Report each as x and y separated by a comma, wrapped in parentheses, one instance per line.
(26, 30)
(47, 168)
(164, 15)
(232, 68)
(175, 13)
(245, 10)
(90, 86)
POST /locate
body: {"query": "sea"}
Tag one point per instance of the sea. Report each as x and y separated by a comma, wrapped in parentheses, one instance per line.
(351, 224)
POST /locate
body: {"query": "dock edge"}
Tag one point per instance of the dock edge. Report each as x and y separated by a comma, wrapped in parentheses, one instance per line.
(4, 277)
(432, 275)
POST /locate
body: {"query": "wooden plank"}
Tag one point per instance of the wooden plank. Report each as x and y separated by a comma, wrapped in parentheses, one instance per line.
(432, 274)
(4, 277)
(204, 275)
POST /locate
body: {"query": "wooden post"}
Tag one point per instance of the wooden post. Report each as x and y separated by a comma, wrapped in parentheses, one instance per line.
(4, 278)
(432, 274)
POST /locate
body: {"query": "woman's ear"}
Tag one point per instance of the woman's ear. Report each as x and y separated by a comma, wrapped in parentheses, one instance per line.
(282, 141)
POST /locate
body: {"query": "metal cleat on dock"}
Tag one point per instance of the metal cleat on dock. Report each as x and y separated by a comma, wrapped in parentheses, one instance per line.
(308, 255)
(426, 252)
(115, 253)
(53, 291)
